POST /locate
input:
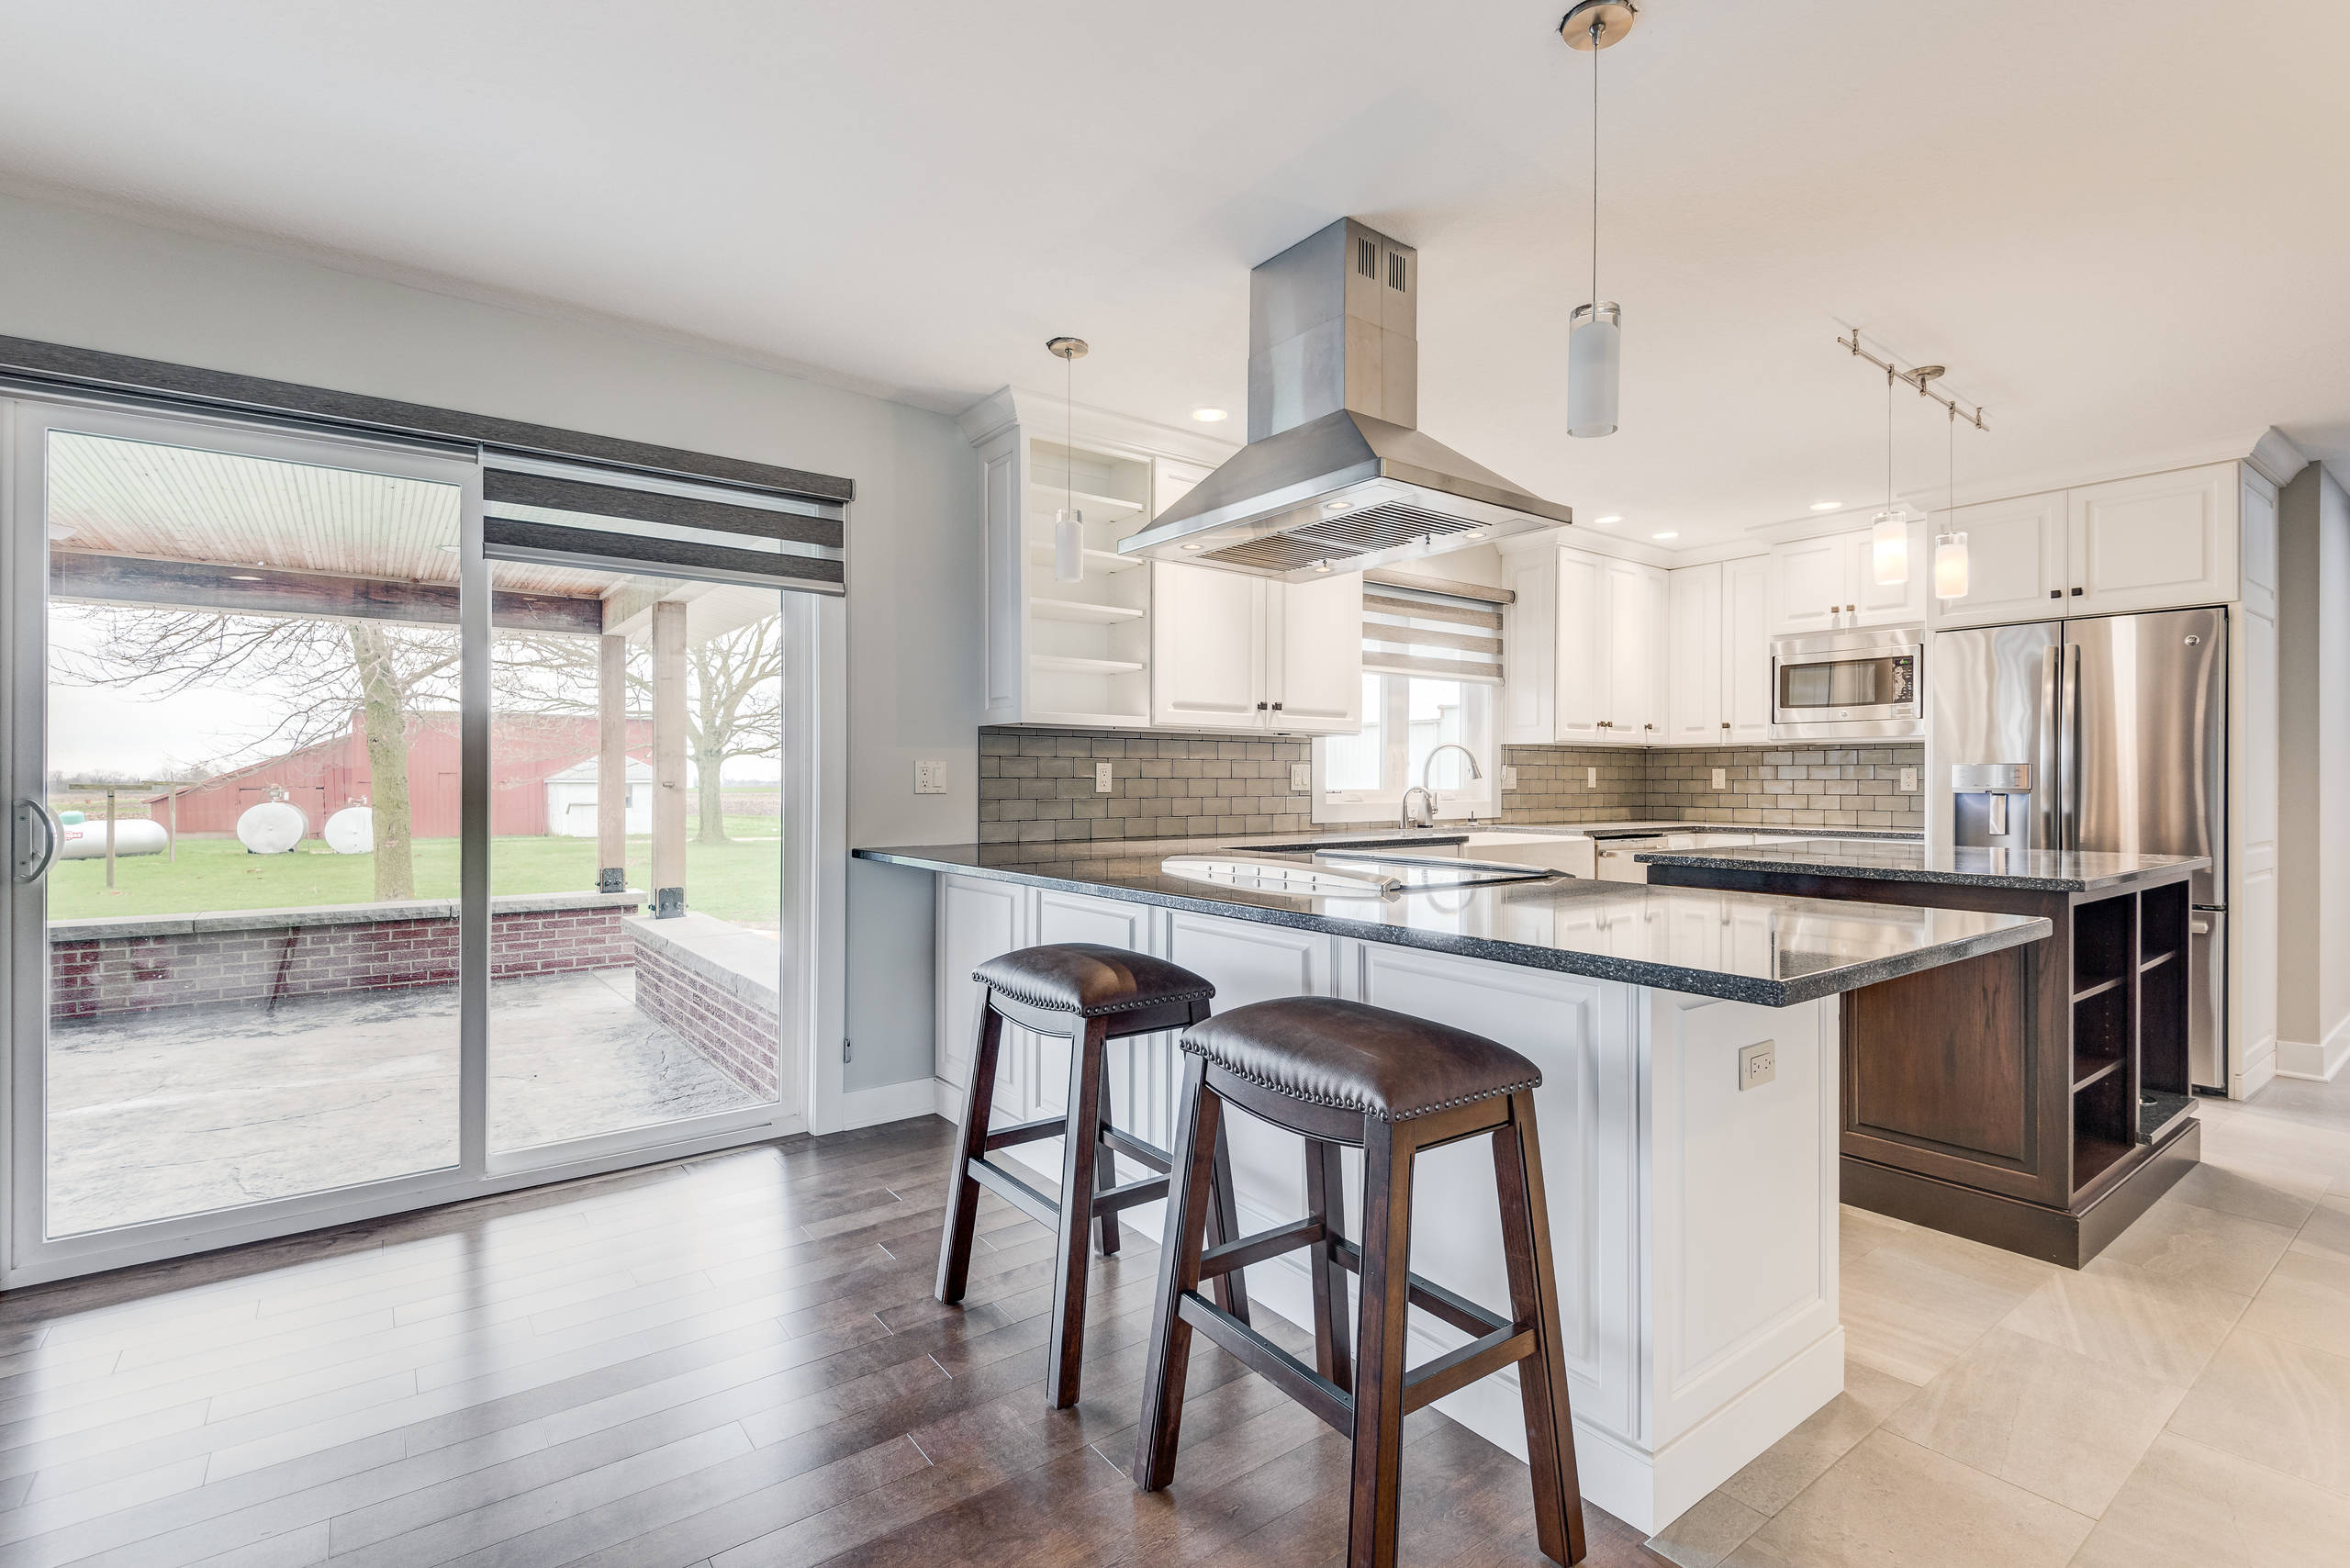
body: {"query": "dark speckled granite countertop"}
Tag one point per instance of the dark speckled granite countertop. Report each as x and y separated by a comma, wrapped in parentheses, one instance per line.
(1755, 948)
(2030, 870)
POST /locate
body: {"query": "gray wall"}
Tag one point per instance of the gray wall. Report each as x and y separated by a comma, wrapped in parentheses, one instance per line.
(913, 619)
(2313, 758)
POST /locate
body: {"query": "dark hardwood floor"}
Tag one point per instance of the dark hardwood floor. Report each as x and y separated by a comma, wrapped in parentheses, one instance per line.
(731, 1362)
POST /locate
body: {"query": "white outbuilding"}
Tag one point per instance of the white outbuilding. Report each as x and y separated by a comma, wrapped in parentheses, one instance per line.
(571, 800)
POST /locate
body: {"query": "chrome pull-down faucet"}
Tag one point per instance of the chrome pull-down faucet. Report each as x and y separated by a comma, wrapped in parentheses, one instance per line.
(1425, 816)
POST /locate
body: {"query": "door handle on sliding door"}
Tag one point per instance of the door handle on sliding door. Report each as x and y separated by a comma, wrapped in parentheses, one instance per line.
(32, 866)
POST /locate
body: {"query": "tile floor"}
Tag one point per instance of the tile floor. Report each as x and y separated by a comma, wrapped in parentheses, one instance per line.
(184, 1111)
(2184, 1400)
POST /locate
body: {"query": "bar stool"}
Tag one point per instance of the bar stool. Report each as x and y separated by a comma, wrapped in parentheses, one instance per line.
(1092, 994)
(1342, 1073)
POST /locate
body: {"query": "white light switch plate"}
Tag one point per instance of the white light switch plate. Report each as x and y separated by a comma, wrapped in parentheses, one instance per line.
(1301, 778)
(1721, 779)
(1758, 1064)
(1509, 778)
(1100, 777)
(930, 778)
(1908, 780)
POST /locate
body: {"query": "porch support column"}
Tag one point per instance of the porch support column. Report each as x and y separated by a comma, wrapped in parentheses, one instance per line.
(669, 759)
(611, 765)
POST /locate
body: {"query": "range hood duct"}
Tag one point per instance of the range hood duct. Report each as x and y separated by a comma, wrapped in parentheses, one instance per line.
(1337, 475)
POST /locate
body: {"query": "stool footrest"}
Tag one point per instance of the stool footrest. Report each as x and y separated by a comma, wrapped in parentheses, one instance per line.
(1260, 1355)
(1148, 1189)
(1027, 1132)
(1015, 1192)
(1150, 1154)
(1433, 1299)
(1217, 1261)
(1458, 1368)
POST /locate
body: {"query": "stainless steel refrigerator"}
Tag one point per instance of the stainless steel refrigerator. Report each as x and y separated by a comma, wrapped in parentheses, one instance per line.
(2109, 733)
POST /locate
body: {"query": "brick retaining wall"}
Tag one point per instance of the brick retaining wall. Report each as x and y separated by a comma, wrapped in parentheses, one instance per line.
(713, 985)
(139, 964)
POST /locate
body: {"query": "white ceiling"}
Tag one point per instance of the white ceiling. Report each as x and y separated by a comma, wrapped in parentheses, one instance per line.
(2123, 225)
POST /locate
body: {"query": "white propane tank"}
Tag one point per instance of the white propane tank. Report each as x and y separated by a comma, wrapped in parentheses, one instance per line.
(132, 835)
(273, 827)
(352, 831)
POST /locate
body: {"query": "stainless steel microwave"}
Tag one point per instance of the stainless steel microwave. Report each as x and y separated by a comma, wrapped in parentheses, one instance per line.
(1856, 685)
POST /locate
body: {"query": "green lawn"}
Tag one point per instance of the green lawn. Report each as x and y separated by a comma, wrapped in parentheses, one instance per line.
(740, 880)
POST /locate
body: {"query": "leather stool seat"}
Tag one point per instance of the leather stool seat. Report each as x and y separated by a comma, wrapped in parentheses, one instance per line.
(1388, 1066)
(1089, 979)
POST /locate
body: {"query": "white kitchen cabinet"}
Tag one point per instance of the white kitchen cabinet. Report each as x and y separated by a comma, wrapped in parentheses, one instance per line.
(1587, 640)
(2015, 554)
(2155, 542)
(1746, 651)
(1230, 651)
(1697, 669)
(1829, 584)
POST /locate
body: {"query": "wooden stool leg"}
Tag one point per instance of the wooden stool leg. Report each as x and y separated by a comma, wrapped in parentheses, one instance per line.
(1065, 1349)
(1198, 1128)
(1105, 1165)
(962, 1193)
(1379, 1374)
(1534, 1299)
(1228, 1291)
(1325, 1195)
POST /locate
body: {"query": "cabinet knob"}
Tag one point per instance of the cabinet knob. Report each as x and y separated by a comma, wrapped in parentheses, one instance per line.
(1260, 707)
(2076, 593)
(1724, 723)
(1647, 726)
(1277, 707)
(1850, 608)
(2055, 593)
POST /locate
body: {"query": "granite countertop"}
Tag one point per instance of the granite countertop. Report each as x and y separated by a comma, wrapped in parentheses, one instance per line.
(1756, 948)
(2030, 870)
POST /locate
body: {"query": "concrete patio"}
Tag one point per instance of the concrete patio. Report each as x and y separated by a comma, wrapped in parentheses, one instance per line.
(179, 1111)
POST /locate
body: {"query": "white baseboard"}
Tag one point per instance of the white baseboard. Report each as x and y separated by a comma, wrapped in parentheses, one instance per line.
(946, 1100)
(2299, 1059)
(887, 1102)
(2254, 1077)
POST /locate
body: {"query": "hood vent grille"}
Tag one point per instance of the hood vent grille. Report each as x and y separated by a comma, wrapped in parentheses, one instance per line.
(1341, 538)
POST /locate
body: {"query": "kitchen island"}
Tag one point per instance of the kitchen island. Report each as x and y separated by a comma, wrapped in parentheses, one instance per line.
(1687, 1041)
(2037, 1099)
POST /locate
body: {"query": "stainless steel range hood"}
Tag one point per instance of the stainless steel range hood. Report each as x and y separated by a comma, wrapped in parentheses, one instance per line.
(1336, 475)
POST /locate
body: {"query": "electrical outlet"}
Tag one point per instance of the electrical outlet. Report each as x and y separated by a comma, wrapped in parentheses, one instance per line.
(1908, 780)
(1100, 777)
(930, 778)
(1591, 778)
(1509, 778)
(1721, 779)
(1758, 1064)
(1301, 778)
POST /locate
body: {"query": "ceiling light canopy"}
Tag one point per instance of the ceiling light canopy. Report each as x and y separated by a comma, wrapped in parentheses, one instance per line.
(1595, 333)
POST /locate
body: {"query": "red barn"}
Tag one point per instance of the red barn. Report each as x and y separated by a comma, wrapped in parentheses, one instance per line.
(322, 778)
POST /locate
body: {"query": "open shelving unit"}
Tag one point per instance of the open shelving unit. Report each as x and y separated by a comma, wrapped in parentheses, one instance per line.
(1088, 643)
(2128, 1006)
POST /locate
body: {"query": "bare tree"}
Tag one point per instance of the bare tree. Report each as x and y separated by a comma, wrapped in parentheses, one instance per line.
(303, 678)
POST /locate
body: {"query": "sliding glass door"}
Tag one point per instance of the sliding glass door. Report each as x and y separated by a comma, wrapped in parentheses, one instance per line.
(332, 844)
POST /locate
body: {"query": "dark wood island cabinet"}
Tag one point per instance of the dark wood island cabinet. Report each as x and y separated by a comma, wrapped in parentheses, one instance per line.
(2036, 1099)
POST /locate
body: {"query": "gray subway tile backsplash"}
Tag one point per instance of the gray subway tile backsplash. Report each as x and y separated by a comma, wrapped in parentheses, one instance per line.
(1038, 785)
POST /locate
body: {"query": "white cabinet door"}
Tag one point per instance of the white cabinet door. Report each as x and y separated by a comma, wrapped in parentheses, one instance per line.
(1581, 691)
(2161, 541)
(2256, 506)
(1888, 604)
(1206, 647)
(1746, 651)
(1693, 657)
(2015, 553)
(1313, 660)
(1635, 625)
(1808, 583)
(1530, 642)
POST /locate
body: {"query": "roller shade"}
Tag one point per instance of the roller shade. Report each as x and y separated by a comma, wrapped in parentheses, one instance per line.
(1443, 636)
(532, 510)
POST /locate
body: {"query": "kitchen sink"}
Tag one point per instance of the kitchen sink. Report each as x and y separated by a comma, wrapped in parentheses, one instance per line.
(1346, 872)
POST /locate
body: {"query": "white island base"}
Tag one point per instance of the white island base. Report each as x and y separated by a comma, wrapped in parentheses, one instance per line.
(1694, 1222)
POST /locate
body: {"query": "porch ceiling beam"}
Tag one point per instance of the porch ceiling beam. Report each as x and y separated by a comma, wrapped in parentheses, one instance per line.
(265, 591)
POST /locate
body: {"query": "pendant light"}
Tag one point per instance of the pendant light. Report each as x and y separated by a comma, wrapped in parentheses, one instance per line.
(1069, 524)
(1949, 548)
(1595, 335)
(1889, 534)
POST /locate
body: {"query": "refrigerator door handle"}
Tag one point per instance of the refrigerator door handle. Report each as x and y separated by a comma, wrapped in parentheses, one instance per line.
(2068, 740)
(2050, 785)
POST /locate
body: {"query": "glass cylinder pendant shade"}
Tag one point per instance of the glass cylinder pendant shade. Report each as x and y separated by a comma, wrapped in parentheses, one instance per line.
(1594, 360)
(1889, 549)
(1068, 545)
(1950, 566)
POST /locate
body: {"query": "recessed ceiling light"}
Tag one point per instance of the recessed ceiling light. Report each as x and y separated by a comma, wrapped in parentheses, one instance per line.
(1611, 518)
(1825, 506)
(1668, 533)
(1211, 415)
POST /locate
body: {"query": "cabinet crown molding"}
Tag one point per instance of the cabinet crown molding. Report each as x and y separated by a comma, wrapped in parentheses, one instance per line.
(1045, 415)
(2274, 457)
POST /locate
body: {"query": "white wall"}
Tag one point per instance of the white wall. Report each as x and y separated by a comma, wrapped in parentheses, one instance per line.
(99, 282)
(2313, 773)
